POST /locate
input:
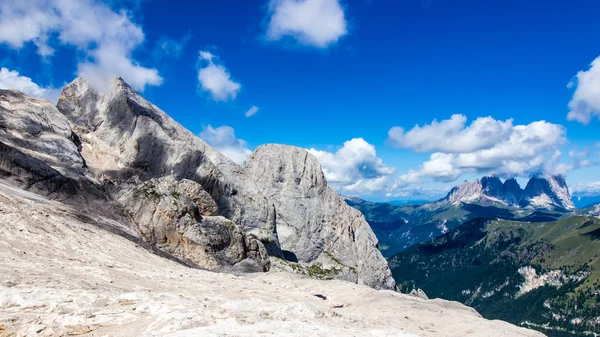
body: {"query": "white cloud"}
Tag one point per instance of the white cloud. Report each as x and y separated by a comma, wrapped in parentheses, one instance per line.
(215, 79)
(317, 23)
(224, 140)
(10, 79)
(355, 167)
(251, 112)
(522, 150)
(586, 189)
(451, 135)
(107, 38)
(585, 103)
(417, 192)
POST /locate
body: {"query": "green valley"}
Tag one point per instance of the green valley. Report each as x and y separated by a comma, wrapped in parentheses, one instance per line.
(543, 275)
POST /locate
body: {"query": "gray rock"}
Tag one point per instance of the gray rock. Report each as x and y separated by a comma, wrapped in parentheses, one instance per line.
(166, 216)
(418, 293)
(178, 193)
(313, 222)
(36, 128)
(124, 135)
(39, 151)
(205, 203)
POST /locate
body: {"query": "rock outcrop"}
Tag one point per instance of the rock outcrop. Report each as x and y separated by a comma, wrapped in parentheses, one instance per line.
(179, 219)
(122, 160)
(124, 135)
(39, 151)
(314, 223)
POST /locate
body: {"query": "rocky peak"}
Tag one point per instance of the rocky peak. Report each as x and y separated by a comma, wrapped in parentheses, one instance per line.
(314, 224)
(546, 191)
(467, 192)
(492, 186)
(512, 191)
(161, 184)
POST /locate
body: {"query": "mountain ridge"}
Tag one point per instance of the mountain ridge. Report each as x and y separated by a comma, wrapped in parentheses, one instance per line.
(541, 191)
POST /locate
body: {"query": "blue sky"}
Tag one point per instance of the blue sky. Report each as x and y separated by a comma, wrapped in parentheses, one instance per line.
(337, 76)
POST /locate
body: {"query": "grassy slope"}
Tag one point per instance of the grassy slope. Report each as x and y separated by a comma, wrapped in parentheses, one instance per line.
(478, 264)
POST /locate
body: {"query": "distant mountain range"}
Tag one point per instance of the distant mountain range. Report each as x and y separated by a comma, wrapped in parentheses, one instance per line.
(544, 198)
(527, 256)
(541, 192)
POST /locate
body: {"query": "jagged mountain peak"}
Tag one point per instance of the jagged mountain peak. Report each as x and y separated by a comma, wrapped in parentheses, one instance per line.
(542, 191)
(547, 191)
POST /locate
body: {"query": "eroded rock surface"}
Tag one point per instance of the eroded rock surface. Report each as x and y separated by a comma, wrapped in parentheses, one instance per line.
(120, 158)
(314, 224)
(123, 135)
(167, 216)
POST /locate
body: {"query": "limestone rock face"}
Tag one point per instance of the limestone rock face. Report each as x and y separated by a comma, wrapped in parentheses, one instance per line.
(35, 127)
(123, 135)
(129, 163)
(314, 224)
(206, 205)
(39, 151)
(168, 217)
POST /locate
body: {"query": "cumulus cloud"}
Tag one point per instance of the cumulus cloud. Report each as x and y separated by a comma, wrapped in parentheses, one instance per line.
(586, 189)
(355, 167)
(10, 79)
(451, 135)
(584, 158)
(251, 112)
(107, 38)
(585, 103)
(520, 151)
(215, 79)
(224, 140)
(317, 23)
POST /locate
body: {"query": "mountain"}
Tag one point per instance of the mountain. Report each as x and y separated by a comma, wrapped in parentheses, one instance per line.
(541, 192)
(545, 275)
(130, 168)
(487, 191)
(63, 275)
(593, 210)
(399, 227)
(547, 192)
(118, 221)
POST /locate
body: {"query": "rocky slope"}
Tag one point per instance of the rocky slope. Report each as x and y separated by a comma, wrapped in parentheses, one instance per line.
(63, 273)
(127, 164)
(542, 275)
